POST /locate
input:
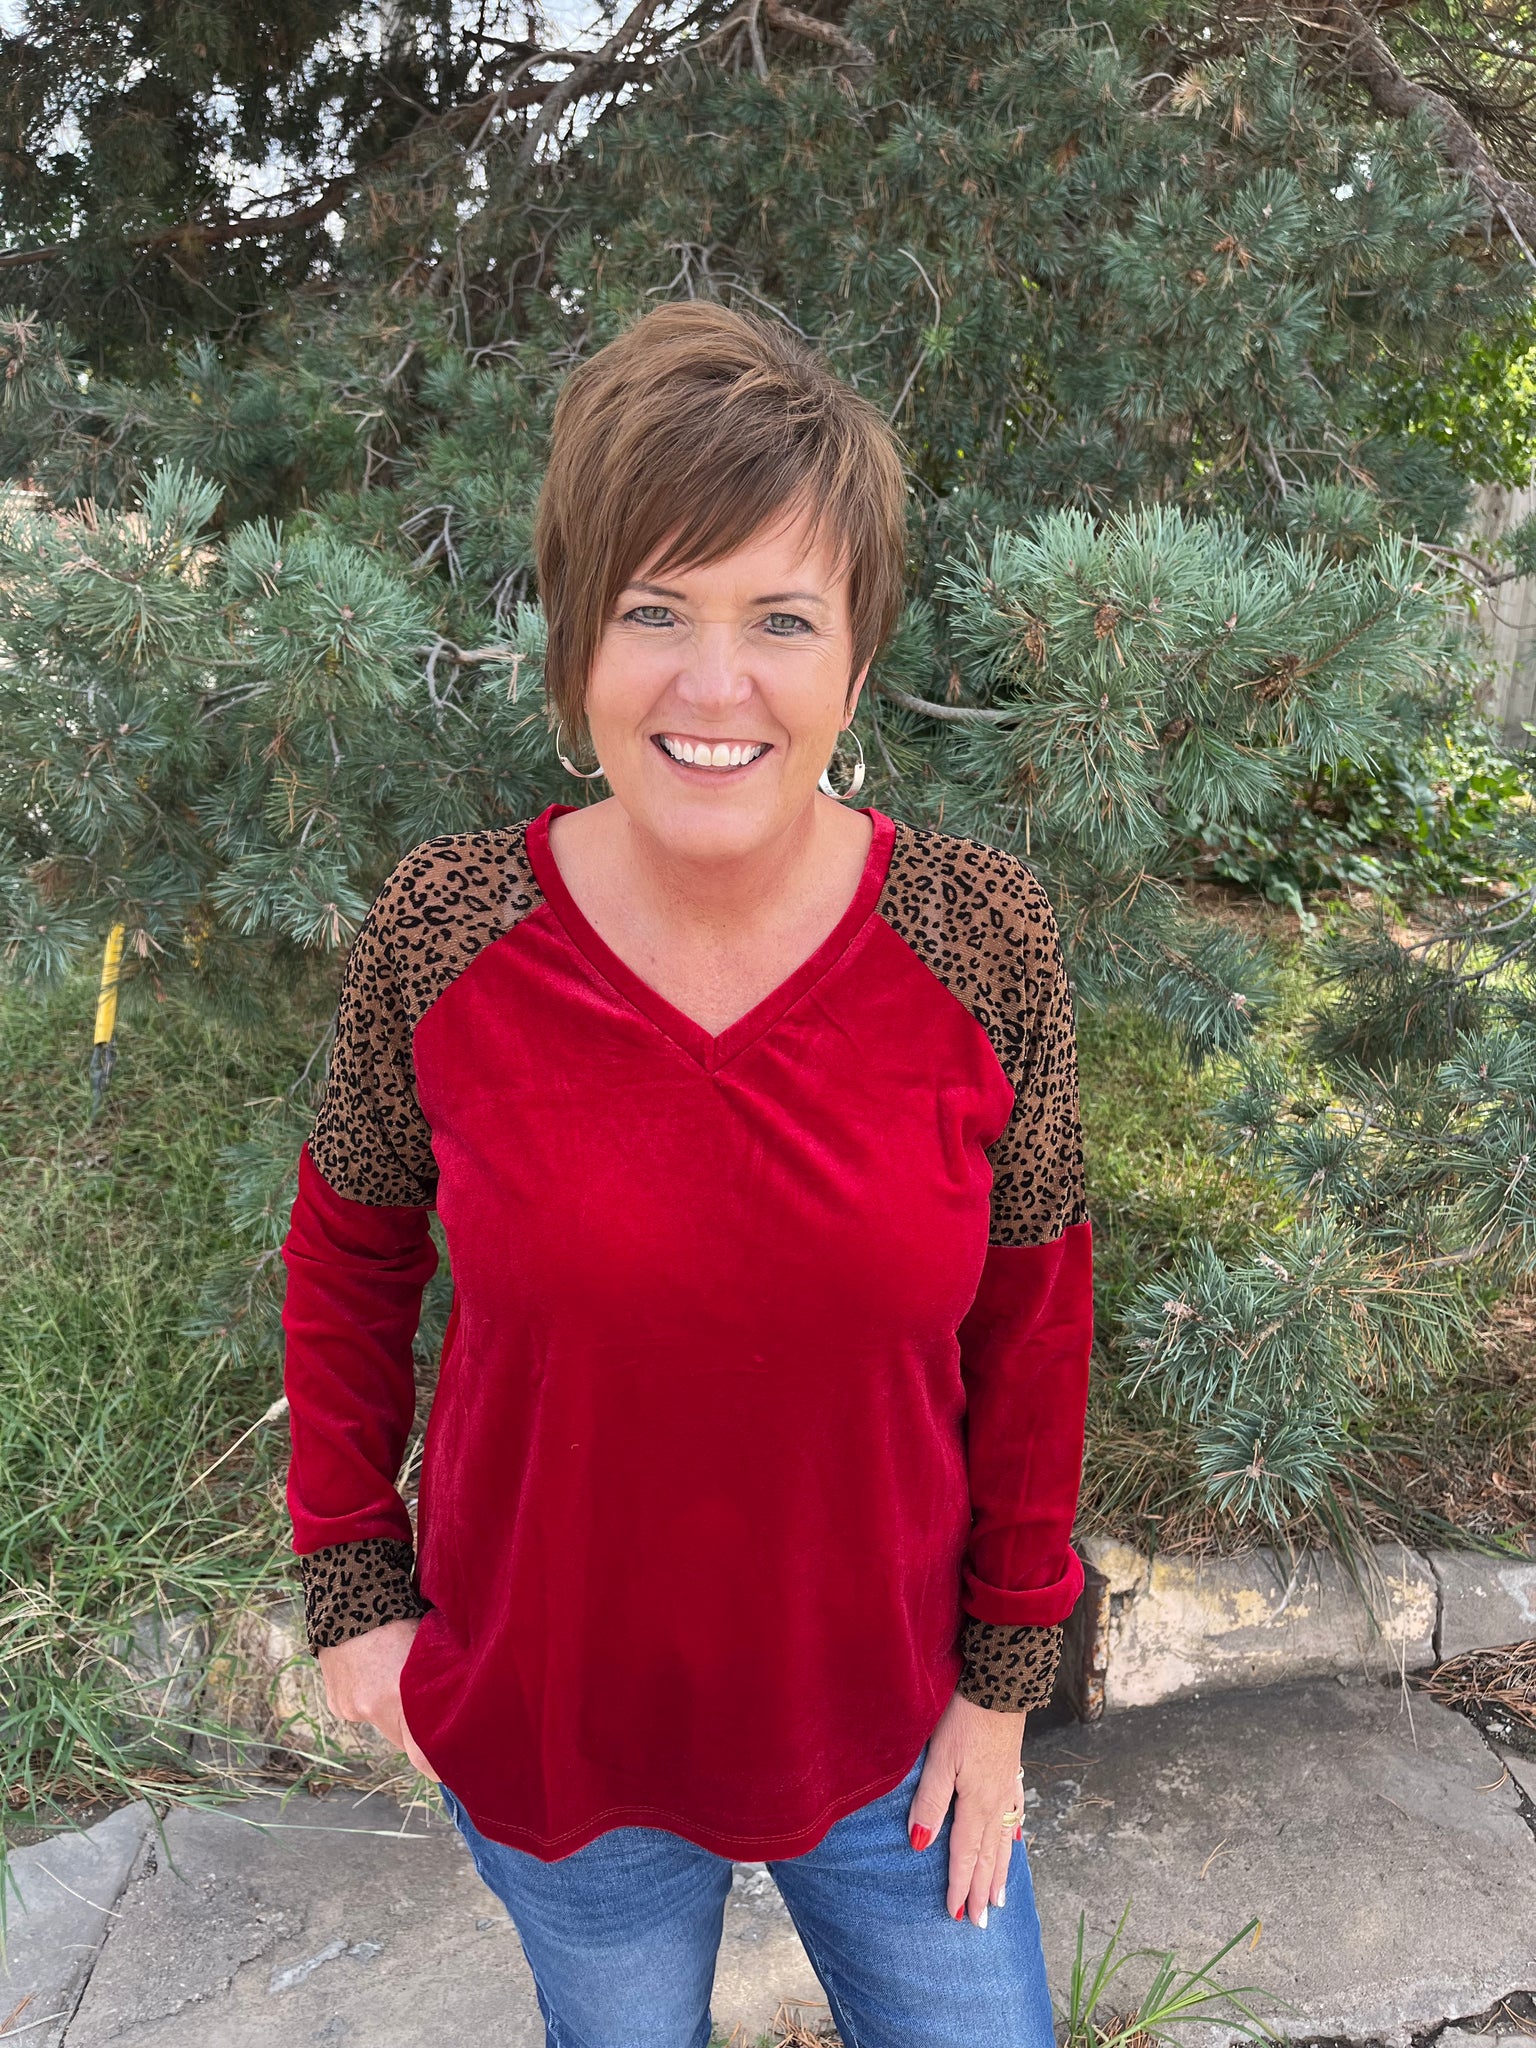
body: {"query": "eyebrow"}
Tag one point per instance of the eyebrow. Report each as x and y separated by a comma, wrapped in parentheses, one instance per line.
(772, 597)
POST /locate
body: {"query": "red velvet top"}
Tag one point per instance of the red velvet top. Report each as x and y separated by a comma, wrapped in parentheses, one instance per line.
(768, 1353)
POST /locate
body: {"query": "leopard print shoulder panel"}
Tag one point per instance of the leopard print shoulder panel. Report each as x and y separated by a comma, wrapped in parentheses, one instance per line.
(445, 903)
(979, 919)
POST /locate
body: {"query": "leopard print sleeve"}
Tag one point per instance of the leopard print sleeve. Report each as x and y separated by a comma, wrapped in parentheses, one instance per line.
(370, 1140)
(1010, 1669)
(1037, 1163)
(441, 907)
(446, 901)
(982, 923)
(979, 919)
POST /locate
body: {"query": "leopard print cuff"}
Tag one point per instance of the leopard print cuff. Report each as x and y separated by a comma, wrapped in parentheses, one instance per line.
(350, 1588)
(1011, 1669)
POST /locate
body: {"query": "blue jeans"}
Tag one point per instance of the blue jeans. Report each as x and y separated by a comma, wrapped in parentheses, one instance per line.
(622, 1936)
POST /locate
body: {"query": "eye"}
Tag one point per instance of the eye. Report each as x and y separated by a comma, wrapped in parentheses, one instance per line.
(650, 614)
(784, 625)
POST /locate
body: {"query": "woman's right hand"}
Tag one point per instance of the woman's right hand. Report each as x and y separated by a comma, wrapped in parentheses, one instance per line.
(362, 1683)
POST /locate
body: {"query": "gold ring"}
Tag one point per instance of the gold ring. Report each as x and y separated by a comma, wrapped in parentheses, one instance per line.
(1012, 1817)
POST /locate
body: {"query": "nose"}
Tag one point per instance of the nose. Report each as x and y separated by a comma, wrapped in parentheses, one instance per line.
(714, 675)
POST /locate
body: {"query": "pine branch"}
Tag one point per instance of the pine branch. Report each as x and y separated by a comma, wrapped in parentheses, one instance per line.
(955, 714)
(602, 71)
(1478, 570)
(222, 732)
(583, 77)
(1367, 60)
(795, 23)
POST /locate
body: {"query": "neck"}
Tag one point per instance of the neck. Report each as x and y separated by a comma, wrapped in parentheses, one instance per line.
(731, 893)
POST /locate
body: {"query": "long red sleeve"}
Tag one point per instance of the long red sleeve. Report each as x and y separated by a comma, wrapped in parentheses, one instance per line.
(1024, 1359)
(355, 1278)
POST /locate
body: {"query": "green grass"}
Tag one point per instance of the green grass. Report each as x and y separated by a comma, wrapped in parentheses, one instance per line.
(1153, 1182)
(109, 1412)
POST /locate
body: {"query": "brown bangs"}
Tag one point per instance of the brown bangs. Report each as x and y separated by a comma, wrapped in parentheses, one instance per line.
(696, 429)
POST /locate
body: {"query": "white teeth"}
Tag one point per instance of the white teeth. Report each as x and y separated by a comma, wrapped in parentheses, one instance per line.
(722, 754)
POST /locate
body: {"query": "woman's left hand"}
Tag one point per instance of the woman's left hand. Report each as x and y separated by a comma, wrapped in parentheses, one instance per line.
(973, 1758)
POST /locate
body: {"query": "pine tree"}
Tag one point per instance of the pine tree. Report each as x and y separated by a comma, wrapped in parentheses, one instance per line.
(1403, 1131)
(1137, 299)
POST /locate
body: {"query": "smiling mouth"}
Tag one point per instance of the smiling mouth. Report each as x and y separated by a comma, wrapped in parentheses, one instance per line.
(717, 756)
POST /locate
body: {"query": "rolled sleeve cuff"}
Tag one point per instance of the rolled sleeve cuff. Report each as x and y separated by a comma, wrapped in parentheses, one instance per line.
(1035, 1606)
(352, 1588)
(1011, 1670)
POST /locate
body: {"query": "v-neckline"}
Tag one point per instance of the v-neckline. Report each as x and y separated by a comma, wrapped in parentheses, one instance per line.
(711, 1050)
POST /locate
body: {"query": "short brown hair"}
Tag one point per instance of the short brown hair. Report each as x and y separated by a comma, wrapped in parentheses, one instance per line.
(706, 424)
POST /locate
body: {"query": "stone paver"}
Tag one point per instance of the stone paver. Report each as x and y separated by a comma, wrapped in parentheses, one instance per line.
(64, 1894)
(1384, 1851)
(1522, 1769)
(339, 1919)
(762, 1964)
(1376, 1839)
(335, 1919)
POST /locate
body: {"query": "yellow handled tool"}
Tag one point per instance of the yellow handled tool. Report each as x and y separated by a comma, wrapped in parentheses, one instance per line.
(103, 1052)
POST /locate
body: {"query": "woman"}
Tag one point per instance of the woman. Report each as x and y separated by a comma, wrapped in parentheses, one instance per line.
(751, 1121)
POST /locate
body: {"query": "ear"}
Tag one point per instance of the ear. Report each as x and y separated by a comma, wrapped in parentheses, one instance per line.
(855, 688)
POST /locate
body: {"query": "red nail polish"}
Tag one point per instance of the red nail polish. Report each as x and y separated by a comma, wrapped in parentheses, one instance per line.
(1018, 1833)
(960, 1911)
(921, 1836)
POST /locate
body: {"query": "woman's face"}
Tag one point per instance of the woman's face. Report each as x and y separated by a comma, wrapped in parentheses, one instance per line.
(717, 693)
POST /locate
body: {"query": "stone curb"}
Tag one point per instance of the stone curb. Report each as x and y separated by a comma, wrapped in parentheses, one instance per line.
(1149, 1629)
(1483, 1600)
(263, 1683)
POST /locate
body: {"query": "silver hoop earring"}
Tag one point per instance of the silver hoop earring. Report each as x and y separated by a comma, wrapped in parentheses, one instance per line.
(855, 781)
(581, 774)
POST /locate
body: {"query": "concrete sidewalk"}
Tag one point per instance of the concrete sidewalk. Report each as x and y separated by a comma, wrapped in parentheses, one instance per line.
(1388, 1849)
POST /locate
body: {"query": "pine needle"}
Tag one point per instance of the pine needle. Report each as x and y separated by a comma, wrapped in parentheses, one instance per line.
(1503, 1677)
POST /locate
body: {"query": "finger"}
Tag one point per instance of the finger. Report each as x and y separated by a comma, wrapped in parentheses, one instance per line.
(349, 1702)
(965, 1845)
(999, 1889)
(387, 1721)
(930, 1803)
(1006, 1837)
(982, 1875)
